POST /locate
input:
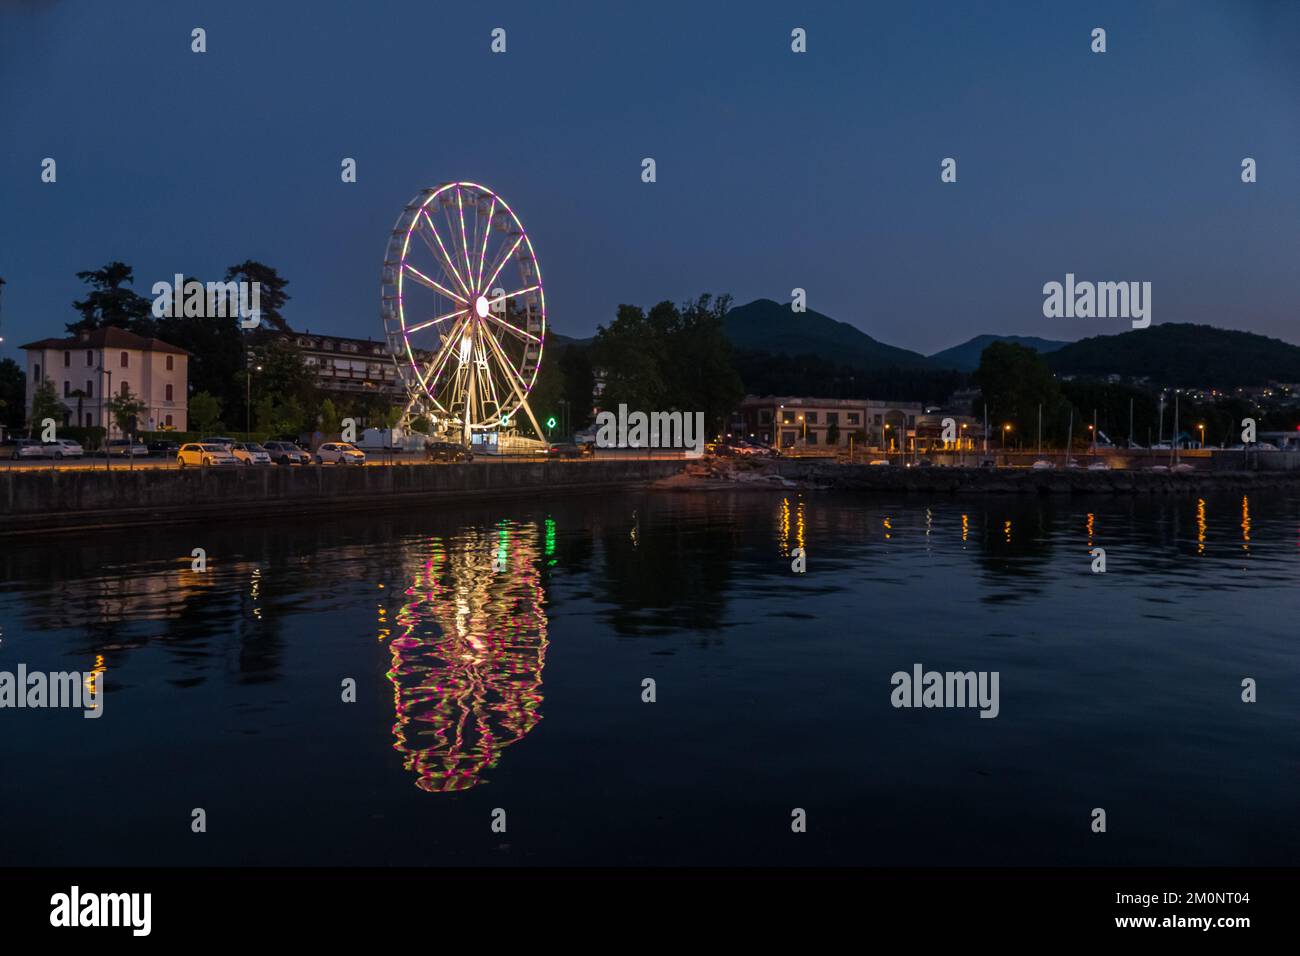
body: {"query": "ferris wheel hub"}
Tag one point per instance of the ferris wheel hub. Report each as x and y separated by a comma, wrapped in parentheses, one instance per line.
(481, 306)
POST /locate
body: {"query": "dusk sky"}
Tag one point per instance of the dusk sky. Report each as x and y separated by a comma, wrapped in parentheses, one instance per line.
(775, 170)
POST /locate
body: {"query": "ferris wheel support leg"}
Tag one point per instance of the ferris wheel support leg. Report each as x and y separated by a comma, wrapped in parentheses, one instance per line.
(514, 384)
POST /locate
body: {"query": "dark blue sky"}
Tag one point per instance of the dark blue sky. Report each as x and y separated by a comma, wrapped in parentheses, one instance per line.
(775, 170)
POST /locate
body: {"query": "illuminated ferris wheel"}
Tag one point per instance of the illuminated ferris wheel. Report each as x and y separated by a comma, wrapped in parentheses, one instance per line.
(464, 311)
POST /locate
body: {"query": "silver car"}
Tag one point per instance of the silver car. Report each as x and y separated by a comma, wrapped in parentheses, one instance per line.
(286, 453)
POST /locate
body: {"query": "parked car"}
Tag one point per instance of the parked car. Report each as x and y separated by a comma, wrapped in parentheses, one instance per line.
(880, 462)
(124, 448)
(569, 450)
(62, 448)
(250, 453)
(20, 448)
(447, 451)
(205, 454)
(339, 453)
(166, 449)
(286, 453)
(1043, 465)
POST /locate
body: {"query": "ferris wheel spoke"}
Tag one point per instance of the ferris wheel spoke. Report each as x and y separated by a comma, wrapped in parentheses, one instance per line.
(424, 280)
(464, 243)
(526, 336)
(446, 257)
(487, 233)
(432, 322)
(501, 265)
(516, 380)
(448, 344)
(438, 364)
(511, 295)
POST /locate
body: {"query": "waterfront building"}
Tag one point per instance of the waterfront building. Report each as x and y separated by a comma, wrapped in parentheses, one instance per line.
(86, 367)
(343, 365)
(799, 423)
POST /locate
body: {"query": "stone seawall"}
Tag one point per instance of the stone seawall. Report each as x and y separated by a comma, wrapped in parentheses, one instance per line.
(1026, 481)
(37, 500)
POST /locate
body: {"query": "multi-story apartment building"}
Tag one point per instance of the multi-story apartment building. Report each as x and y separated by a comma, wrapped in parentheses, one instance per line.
(86, 367)
(345, 365)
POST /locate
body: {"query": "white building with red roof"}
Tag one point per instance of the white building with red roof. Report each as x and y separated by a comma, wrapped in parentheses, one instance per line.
(86, 367)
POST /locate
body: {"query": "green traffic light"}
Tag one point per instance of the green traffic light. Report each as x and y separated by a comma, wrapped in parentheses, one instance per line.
(550, 422)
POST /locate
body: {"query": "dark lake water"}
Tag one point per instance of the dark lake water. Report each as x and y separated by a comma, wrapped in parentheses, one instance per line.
(521, 688)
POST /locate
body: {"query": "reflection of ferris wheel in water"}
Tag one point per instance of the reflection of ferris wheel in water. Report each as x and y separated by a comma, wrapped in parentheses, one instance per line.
(464, 310)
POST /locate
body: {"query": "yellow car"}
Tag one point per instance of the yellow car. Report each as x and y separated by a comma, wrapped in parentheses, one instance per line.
(205, 455)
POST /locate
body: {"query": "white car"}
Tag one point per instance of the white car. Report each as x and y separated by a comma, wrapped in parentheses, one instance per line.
(62, 448)
(250, 453)
(1184, 468)
(1043, 465)
(204, 454)
(1099, 466)
(881, 462)
(339, 453)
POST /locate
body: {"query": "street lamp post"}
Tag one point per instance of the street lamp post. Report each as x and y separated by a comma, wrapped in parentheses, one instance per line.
(103, 404)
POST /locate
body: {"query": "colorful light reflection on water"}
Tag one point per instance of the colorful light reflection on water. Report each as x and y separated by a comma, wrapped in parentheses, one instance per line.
(468, 656)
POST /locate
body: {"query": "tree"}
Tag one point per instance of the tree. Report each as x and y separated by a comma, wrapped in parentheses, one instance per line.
(544, 399)
(673, 358)
(205, 411)
(630, 353)
(1014, 381)
(126, 409)
(387, 416)
(271, 294)
(283, 373)
(45, 404)
(706, 379)
(110, 303)
(579, 385)
(329, 419)
(216, 350)
(13, 394)
(833, 434)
